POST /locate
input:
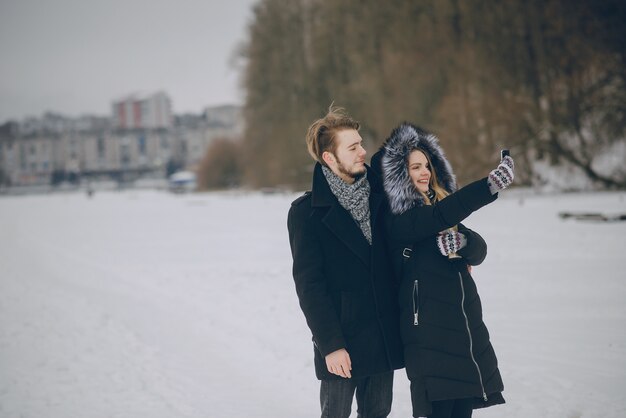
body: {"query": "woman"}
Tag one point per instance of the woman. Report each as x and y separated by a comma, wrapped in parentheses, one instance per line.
(449, 359)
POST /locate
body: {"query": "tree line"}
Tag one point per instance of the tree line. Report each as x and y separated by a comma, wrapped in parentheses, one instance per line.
(544, 78)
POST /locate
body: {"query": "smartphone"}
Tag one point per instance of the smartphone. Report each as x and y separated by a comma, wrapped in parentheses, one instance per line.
(504, 153)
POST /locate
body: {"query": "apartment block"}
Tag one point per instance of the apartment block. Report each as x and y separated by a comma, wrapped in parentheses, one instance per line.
(153, 111)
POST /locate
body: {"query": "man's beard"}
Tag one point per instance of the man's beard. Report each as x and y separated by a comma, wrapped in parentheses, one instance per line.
(352, 174)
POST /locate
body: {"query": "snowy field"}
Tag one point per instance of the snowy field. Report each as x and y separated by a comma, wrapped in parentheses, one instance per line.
(147, 304)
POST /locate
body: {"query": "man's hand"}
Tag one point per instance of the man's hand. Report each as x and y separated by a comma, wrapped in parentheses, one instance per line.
(338, 362)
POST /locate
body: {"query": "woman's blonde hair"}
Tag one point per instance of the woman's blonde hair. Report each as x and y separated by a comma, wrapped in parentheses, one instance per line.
(433, 183)
(320, 136)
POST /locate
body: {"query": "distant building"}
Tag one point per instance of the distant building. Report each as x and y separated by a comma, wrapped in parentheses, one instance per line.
(54, 148)
(26, 160)
(194, 133)
(228, 117)
(136, 111)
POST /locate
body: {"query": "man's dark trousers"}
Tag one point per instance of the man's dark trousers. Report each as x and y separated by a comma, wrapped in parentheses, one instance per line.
(373, 396)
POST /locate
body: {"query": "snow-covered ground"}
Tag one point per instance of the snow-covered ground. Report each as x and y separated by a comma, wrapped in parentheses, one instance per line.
(147, 304)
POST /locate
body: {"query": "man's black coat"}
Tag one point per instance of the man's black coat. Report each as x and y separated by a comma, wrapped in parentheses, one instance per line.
(346, 287)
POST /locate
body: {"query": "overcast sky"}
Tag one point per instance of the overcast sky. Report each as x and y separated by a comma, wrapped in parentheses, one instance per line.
(76, 56)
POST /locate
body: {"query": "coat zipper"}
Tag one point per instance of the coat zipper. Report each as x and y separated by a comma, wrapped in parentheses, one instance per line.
(469, 333)
(415, 303)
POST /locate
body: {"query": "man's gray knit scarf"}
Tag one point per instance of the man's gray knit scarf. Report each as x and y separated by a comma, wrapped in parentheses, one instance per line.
(354, 198)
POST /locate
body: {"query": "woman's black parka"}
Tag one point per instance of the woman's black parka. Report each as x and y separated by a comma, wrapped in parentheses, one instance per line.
(447, 351)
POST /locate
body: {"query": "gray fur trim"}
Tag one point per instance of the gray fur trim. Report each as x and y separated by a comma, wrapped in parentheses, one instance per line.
(401, 193)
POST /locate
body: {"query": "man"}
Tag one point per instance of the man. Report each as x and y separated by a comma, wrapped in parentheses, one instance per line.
(342, 274)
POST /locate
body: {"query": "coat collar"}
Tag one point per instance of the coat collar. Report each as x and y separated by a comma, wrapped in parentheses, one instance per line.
(339, 221)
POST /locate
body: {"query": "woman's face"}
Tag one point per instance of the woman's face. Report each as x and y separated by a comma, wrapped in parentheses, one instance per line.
(419, 170)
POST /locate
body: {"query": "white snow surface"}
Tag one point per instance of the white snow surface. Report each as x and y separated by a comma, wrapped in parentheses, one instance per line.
(148, 304)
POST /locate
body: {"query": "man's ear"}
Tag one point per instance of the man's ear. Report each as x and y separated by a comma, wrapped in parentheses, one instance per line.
(328, 158)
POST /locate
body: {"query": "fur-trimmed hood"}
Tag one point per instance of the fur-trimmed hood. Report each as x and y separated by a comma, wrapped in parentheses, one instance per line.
(396, 149)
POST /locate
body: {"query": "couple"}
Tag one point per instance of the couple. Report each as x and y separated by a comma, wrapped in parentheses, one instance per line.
(376, 277)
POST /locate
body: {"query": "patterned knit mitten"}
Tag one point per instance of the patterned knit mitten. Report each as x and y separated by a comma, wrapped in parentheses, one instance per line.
(450, 241)
(502, 177)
